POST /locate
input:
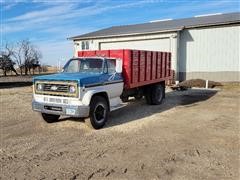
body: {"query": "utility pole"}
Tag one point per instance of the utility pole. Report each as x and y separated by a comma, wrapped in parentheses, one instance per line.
(59, 66)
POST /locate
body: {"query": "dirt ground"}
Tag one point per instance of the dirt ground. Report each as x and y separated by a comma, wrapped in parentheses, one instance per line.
(193, 135)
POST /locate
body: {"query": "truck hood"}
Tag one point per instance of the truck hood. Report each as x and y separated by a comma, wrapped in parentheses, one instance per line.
(81, 78)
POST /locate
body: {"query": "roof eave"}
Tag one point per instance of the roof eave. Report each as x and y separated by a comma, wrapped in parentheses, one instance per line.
(213, 24)
(120, 35)
(154, 32)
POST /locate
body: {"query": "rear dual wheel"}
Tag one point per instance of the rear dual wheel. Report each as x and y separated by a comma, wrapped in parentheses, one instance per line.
(155, 94)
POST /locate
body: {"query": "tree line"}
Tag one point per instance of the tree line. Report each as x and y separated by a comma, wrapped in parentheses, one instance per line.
(23, 54)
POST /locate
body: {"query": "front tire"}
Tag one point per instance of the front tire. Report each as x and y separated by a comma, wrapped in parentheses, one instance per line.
(98, 112)
(50, 118)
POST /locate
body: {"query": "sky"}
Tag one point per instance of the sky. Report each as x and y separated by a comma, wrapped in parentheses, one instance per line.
(48, 23)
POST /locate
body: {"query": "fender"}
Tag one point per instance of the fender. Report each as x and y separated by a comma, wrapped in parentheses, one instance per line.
(88, 95)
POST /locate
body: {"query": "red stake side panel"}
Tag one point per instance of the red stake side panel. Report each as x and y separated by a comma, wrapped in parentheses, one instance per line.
(140, 68)
(154, 66)
(148, 65)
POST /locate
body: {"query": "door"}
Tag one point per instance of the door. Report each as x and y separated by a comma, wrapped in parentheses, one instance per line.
(162, 44)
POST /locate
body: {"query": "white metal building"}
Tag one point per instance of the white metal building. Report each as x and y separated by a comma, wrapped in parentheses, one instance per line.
(204, 47)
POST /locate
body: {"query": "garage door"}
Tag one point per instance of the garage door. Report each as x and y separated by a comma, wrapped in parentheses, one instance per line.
(152, 44)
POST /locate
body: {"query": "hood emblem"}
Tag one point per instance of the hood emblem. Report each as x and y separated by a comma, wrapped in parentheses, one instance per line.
(54, 88)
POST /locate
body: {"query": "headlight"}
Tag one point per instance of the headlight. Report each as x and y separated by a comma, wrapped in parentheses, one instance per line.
(39, 87)
(72, 89)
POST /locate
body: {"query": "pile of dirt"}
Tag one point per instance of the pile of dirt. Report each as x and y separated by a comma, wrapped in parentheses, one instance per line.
(201, 83)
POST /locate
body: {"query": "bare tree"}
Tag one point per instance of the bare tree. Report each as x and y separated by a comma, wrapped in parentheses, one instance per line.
(34, 62)
(18, 55)
(6, 59)
(27, 56)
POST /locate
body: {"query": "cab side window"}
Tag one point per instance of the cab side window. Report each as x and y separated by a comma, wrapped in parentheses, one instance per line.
(111, 63)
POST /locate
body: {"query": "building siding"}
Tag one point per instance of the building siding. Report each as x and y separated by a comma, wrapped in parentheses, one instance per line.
(220, 76)
(210, 53)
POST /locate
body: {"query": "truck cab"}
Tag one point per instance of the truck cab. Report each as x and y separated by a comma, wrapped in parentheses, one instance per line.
(86, 87)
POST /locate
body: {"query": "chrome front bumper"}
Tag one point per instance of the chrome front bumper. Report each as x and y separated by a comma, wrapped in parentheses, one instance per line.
(59, 109)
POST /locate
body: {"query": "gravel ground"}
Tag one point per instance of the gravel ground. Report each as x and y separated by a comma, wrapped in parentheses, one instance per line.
(193, 135)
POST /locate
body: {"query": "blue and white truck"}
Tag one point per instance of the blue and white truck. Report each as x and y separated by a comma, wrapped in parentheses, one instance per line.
(98, 82)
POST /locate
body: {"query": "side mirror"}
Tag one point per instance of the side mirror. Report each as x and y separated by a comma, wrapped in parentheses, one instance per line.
(118, 66)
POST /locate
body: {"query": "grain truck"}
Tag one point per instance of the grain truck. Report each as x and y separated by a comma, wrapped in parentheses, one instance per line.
(95, 83)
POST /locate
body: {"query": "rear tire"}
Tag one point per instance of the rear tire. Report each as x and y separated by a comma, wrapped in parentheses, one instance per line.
(50, 118)
(148, 95)
(98, 112)
(155, 94)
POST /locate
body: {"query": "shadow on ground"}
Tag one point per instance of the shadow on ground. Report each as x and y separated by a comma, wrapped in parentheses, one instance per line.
(138, 109)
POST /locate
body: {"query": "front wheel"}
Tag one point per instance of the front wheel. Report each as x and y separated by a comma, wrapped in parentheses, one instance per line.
(50, 118)
(98, 112)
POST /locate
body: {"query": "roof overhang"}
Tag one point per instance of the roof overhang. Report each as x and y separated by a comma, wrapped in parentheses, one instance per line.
(153, 32)
(124, 35)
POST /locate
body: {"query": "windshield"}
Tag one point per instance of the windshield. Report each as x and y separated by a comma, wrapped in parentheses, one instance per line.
(88, 65)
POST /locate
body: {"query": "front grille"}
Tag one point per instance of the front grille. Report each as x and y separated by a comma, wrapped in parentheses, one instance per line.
(56, 88)
(59, 87)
